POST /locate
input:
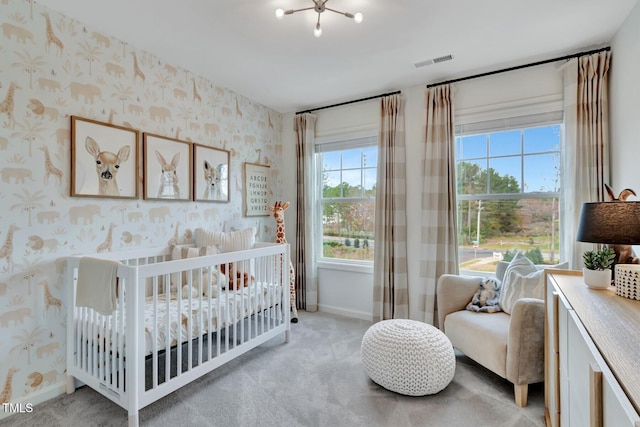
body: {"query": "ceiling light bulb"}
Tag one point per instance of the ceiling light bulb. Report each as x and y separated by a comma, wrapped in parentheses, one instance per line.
(358, 17)
(279, 13)
(317, 31)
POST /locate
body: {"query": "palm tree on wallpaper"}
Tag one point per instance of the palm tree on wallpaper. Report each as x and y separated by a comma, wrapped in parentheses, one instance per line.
(123, 93)
(162, 81)
(122, 208)
(185, 113)
(89, 53)
(29, 64)
(30, 131)
(29, 202)
(27, 341)
(28, 270)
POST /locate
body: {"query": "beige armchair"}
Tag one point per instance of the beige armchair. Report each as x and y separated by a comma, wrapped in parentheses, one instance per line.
(511, 346)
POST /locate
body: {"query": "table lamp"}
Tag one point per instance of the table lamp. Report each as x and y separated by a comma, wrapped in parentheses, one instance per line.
(615, 223)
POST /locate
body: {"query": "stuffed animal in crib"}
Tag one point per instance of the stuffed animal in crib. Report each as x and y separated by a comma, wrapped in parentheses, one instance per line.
(487, 296)
(236, 279)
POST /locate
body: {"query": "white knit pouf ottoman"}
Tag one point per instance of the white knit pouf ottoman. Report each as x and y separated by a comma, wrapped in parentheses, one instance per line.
(408, 357)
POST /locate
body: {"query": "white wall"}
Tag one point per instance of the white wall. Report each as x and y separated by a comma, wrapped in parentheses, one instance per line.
(624, 95)
(527, 91)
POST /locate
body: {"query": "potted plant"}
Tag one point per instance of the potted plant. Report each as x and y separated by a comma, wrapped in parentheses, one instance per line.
(597, 268)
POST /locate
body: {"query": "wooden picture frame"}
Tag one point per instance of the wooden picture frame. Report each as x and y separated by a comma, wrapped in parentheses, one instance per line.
(168, 169)
(210, 174)
(256, 189)
(104, 160)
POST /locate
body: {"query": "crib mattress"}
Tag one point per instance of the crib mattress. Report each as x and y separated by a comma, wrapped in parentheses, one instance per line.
(175, 318)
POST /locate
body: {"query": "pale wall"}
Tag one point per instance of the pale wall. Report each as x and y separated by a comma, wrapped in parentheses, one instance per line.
(32, 324)
(624, 95)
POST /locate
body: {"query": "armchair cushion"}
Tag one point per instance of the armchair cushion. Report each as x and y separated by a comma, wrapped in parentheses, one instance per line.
(481, 336)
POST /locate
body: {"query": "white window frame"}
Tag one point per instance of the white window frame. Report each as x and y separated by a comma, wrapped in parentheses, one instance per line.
(328, 144)
(536, 119)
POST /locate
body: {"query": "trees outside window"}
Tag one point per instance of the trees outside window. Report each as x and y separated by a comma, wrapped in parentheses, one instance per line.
(347, 198)
(508, 186)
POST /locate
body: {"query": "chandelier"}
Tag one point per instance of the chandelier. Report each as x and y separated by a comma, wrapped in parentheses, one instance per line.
(319, 6)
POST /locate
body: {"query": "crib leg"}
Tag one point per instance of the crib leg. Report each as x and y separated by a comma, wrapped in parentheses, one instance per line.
(71, 384)
(287, 336)
(133, 419)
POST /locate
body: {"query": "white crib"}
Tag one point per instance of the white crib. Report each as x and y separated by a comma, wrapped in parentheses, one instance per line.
(159, 340)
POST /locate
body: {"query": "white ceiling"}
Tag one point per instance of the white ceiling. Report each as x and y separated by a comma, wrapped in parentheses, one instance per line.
(240, 45)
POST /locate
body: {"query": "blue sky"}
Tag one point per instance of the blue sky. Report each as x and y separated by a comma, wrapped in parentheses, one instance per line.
(530, 156)
(351, 162)
(527, 155)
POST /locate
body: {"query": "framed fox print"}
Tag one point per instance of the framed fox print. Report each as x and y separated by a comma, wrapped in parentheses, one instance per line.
(167, 168)
(104, 160)
(210, 174)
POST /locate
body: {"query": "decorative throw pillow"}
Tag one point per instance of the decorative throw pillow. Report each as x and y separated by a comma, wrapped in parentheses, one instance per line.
(519, 286)
(226, 242)
(238, 240)
(208, 238)
(210, 280)
(521, 266)
(523, 282)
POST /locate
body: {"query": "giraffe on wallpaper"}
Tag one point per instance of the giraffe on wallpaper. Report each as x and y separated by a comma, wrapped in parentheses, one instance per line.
(50, 300)
(49, 168)
(7, 249)
(175, 238)
(5, 396)
(7, 104)
(196, 95)
(278, 213)
(106, 245)
(238, 111)
(137, 72)
(51, 37)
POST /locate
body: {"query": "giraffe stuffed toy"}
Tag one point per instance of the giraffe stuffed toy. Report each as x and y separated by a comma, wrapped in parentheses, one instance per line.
(278, 213)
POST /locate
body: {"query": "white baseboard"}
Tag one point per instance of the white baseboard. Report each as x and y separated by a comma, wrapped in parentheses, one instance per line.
(346, 313)
(35, 398)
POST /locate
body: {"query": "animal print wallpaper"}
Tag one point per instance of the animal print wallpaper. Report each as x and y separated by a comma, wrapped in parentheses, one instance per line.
(54, 67)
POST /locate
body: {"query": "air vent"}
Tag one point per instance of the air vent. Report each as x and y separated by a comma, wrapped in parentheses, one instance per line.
(433, 61)
(442, 59)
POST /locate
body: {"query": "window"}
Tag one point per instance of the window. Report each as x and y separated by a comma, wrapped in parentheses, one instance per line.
(508, 186)
(347, 189)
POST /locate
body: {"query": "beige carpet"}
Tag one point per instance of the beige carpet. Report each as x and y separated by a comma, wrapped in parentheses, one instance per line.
(315, 380)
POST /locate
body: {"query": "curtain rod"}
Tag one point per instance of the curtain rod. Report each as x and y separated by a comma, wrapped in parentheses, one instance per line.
(350, 102)
(533, 64)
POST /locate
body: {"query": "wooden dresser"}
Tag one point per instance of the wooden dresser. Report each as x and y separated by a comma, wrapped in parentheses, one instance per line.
(592, 354)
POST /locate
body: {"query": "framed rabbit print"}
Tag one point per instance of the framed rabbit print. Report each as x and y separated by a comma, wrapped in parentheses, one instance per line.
(167, 168)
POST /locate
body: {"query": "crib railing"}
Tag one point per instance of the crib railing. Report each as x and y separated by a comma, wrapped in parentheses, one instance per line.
(170, 327)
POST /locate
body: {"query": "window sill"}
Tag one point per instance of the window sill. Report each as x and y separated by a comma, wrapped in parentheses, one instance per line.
(346, 266)
(477, 273)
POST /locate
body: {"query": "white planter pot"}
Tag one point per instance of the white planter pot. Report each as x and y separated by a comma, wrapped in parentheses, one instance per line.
(597, 279)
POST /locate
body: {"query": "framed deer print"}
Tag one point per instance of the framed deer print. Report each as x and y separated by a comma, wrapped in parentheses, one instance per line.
(210, 174)
(256, 189)
(104, 160)
(167, 168)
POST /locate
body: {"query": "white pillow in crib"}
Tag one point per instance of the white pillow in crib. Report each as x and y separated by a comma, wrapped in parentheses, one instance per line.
(238, 240)
(184, 253)
(232, 241)
(206, 238)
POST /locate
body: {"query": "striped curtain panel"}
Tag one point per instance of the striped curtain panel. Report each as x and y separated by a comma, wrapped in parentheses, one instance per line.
(439, 251)
(585, 152)
(305, 265)
(390, 289)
